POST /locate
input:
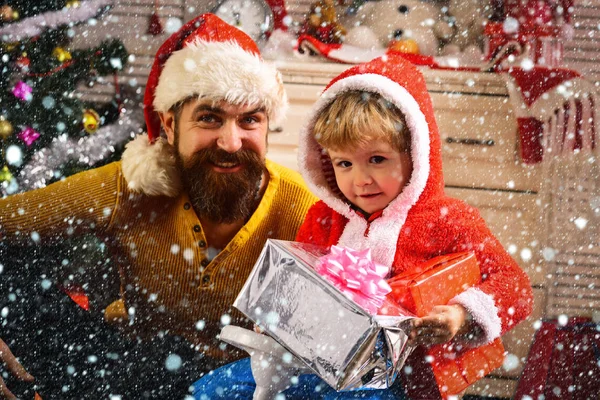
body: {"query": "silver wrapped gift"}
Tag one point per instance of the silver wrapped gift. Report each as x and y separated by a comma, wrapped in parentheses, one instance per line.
(343, 344)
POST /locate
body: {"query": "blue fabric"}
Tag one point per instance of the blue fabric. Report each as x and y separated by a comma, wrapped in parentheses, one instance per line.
(235, 381)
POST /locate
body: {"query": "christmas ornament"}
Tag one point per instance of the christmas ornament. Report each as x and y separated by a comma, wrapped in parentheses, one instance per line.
(72, 4)
(28, 135)
(61, 54)
(6, 129)
(154, 25)
(23, 63)
(9, 46)
(91, 120)
(22, 91)
(254, 17)
(5, 175)
(322, 23)
(281, 20)
(6, 13)
(404, 46)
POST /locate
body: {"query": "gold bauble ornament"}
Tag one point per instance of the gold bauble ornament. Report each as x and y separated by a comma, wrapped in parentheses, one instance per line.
(72, 4)
(61, 54)
(91, 121)
(6, 13)
(6, 129)
(5, 175)
(10, 46)
(409, 46)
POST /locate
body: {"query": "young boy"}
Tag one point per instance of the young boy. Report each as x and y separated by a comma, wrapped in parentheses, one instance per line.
(371, 152)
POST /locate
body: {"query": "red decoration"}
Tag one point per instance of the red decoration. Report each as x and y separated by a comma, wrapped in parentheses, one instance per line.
(563, 362)
(279, 14)
(78, 295)
(537, 25)
(23, 63)
(154, 26)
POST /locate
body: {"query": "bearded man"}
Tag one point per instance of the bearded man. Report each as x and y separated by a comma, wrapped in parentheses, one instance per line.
(185, 218)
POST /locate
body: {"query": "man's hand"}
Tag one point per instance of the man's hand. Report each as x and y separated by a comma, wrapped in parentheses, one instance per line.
(440, 325)
(14, 367)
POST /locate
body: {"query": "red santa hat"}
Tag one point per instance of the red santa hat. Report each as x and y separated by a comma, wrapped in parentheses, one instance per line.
(211, 59)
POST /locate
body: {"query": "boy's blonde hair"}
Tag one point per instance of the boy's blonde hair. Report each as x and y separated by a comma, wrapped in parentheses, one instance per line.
(355, 118)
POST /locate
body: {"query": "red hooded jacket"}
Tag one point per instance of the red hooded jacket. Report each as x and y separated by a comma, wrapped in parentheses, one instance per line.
(422, 222)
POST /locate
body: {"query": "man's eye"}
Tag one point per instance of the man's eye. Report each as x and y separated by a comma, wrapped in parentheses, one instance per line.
(377, 159)
(250, 119)
(207, 118)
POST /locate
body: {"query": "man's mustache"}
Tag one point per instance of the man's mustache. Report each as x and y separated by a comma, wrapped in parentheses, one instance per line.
(216, 156)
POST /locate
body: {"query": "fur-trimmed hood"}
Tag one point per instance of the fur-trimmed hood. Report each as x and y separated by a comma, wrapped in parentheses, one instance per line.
(399, 82)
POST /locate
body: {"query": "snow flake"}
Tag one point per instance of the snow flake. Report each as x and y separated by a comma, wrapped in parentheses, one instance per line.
(563, 319)
(581, 223)
(14, 155)
(116, 63)
(287, 358)
(200, 325)
(225, 319)
(526, 254)
(173, 24)
(189, 64)
(548, 253)
(188, 254)
(173, 362)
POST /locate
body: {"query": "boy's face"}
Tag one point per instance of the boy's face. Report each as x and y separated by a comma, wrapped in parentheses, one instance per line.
(372, 176)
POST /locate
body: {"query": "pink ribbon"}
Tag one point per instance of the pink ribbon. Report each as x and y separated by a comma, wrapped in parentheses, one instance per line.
(356, 275)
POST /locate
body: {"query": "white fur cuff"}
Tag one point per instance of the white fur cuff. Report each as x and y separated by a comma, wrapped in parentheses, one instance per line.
(484, 311)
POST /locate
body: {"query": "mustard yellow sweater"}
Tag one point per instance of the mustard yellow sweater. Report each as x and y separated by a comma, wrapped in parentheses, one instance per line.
(159, 245)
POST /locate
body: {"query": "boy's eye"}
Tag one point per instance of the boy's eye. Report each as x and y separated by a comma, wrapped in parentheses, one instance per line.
(377, 159)
(344, 164)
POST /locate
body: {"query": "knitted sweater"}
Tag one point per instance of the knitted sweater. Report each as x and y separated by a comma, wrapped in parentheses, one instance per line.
(159, 245)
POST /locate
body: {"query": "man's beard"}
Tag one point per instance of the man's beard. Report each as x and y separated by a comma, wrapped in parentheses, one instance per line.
(222, 197)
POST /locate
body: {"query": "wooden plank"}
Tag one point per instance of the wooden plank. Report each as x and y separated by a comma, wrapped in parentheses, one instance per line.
(144, 10)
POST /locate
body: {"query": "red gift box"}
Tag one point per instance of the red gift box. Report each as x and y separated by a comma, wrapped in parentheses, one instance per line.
(453, 367)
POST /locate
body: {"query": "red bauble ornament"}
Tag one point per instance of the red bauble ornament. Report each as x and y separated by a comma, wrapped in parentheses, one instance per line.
(23, 63)
(154, 25)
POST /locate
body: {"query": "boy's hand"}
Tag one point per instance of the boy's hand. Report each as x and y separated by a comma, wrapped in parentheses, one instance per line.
(440, 326)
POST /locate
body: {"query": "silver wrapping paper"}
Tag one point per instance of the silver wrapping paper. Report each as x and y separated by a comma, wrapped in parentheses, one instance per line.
(318, 324)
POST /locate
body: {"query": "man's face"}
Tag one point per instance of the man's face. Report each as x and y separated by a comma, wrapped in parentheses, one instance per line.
(221, 151)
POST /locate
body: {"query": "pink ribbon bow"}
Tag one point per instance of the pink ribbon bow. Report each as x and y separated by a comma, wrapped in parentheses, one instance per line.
(356, 275)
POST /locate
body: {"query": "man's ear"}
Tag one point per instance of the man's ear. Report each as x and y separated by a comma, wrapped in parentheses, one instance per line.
(167, 120)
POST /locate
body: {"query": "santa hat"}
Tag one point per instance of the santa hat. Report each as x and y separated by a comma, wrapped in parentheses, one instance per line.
(211, 59)
(206, 58)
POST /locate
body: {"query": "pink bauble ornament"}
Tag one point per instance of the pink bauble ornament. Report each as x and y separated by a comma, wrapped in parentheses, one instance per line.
(28, 135)
(22, 91)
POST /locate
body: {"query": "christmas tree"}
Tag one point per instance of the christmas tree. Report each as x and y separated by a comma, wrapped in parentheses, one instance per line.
(39, 74)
